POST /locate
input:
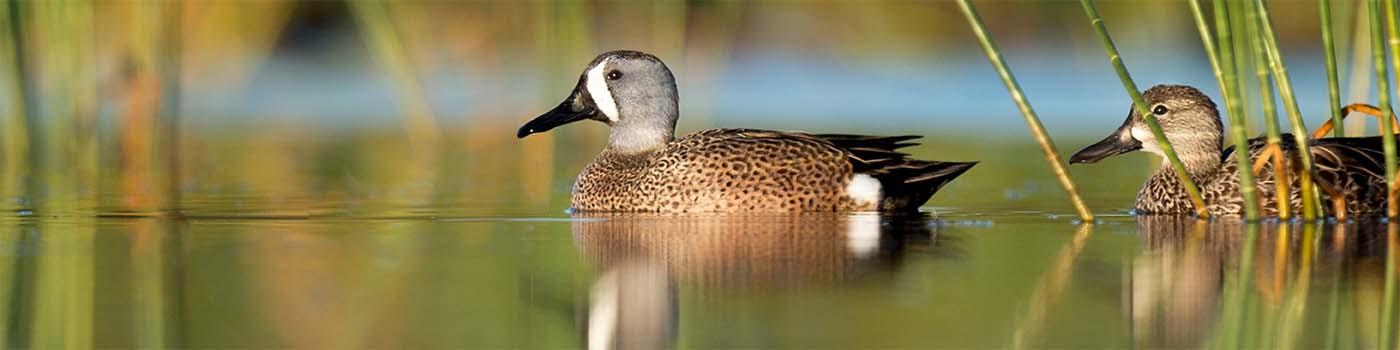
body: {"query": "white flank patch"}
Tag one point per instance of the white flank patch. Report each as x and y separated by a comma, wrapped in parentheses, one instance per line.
(597, 86)
(864, 189)
(863, 234)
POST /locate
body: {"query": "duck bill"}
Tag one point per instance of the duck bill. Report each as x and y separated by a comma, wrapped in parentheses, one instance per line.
(1121, 141)
(571, 110)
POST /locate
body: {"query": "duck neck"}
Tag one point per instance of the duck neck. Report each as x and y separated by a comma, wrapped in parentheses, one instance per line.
(643, 130)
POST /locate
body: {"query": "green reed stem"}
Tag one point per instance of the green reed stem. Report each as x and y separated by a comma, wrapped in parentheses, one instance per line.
(1383, 94)
(16, 141)
(1282, 186)
(1295, 116)
(1388, 123)
(1227, 79)
(1329, 55)
(1140, 105)
(1047, 146)
(1387, 331)
(1234, 95)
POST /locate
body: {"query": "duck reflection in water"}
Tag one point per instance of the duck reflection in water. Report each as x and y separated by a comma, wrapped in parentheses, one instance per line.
(1191, 272)
(642, 258)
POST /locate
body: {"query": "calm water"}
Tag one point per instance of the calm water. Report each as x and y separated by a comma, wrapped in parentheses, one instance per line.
(807, 281)
(307, 239)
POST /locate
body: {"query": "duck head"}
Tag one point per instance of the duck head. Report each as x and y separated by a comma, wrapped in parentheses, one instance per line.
(1189, 120)
(632, 92)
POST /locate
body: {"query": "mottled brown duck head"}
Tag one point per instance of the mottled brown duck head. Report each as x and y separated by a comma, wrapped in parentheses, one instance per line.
(632, 92)
(1188, 118)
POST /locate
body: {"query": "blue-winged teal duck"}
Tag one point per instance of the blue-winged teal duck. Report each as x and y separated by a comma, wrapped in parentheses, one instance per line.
(645, 168)
(1350, 166)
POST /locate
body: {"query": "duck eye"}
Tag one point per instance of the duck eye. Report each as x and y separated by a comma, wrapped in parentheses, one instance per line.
(1159, 110)
(614, 75)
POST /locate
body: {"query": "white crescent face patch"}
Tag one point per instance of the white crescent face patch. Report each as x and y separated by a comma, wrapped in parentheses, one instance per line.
(597, 86)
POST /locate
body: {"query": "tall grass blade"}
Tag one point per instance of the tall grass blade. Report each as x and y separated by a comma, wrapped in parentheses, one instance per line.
(1383, 94)
(13, 127)
(1226, 78)
(1388, 299)
(1290, 102)
(1329, 55)
(1047, 146)
(1282, 184)
(375, 21)
(1393, 31)
(1140, 105)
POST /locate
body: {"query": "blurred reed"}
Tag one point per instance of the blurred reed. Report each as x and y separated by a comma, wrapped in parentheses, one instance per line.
(1047, 145)
(1383, 94)
(13, 126)
(1141, 106)
(1290, 102)
(386, 45)
(382, 33)
(1329, 57)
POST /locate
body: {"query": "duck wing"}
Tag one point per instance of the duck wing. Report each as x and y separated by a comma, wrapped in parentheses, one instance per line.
(906, 182)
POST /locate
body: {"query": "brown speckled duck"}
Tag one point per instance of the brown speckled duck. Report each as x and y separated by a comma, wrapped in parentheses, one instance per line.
(645, 168)
(1349, 166)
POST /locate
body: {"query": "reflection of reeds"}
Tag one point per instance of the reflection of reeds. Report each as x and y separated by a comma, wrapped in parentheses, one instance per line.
(1048, 292)
(1237, 293)
(1141, 106)
(1047, 146)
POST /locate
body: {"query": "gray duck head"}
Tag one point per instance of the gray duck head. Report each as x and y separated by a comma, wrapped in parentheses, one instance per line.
(1189, 119)
(632, 92)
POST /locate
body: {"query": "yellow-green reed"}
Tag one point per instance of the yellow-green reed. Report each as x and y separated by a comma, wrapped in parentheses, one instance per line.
(1329, 56)
(376, 23)
(1290, 102)
(12, 118)
(1388, 299)
(1047, 145)
(1226, 77)
(1282, 184)
(1140, 105)
(1387, 123)
(1383, 96)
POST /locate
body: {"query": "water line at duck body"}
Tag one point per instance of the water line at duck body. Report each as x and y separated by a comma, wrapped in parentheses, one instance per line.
(1047, 145)
(1140, 106)
(1226, 79)
(1290, 102)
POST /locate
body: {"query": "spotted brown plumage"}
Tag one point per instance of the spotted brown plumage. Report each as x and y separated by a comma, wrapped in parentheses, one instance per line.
(1350, 166)
(645, 168)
